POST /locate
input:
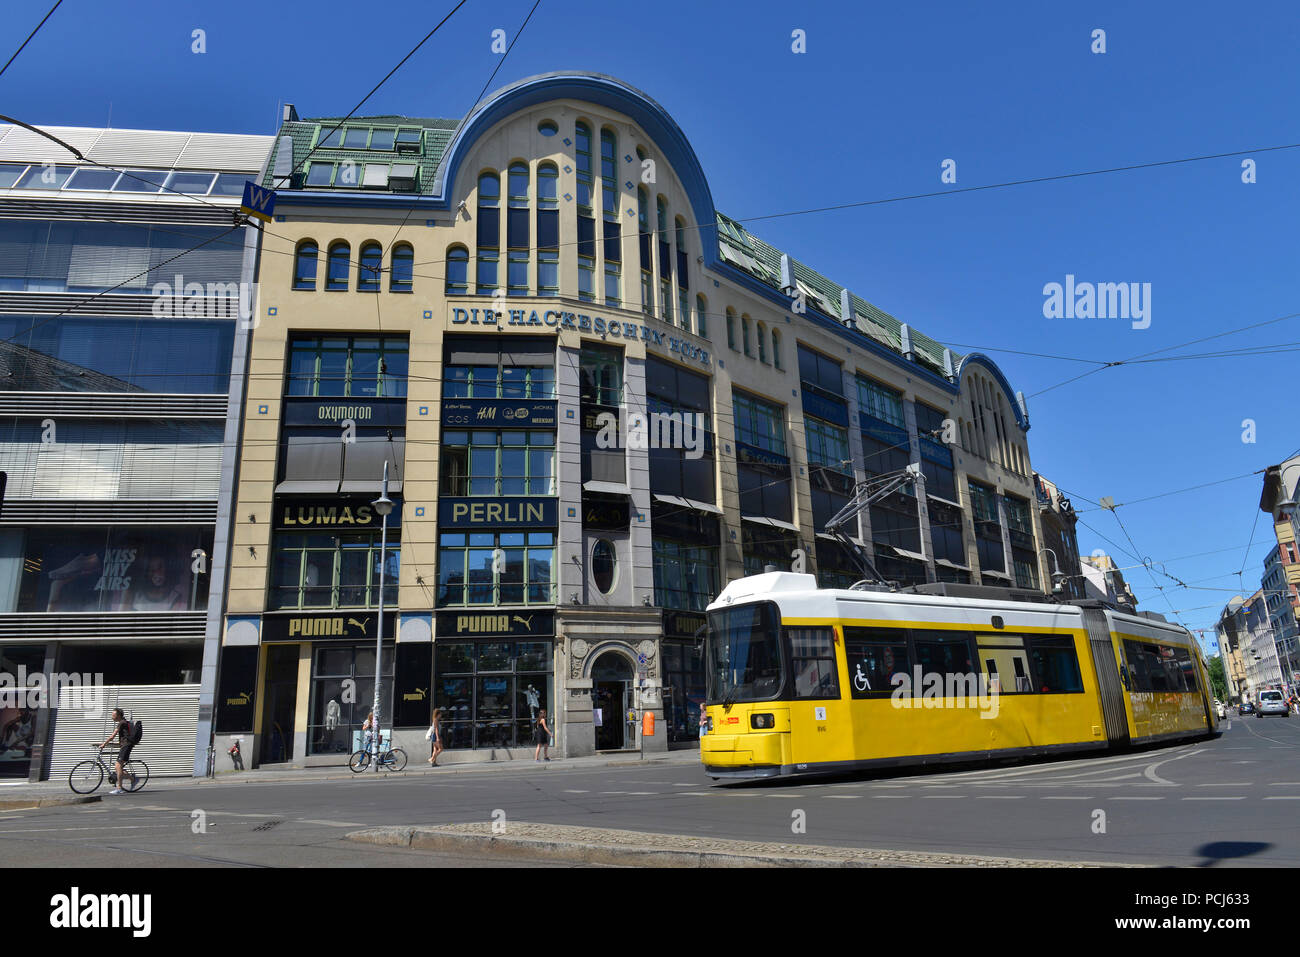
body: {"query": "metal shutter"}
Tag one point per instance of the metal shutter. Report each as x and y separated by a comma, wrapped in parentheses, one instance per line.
(170, 714)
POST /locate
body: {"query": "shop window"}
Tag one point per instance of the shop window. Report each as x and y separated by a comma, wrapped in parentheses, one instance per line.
(491, 692)
(327, 570)
(493, 463)
(469, 572)
(355, 366)
(342, 694)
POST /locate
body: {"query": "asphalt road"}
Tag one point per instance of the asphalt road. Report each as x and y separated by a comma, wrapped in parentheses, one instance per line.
(1229, 801)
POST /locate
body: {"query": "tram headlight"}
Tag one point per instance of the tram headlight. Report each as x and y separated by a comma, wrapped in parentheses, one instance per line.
(762, 721)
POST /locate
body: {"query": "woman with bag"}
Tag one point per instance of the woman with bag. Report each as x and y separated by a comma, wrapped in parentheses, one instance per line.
(434, 736)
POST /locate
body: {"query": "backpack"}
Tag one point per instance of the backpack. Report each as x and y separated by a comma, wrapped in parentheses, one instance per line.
(137, 732)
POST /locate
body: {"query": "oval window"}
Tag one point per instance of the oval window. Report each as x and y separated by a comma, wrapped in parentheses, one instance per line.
(547, 128)
(604, 563)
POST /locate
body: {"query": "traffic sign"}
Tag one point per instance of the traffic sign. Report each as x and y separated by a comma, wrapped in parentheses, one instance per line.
(258, 202)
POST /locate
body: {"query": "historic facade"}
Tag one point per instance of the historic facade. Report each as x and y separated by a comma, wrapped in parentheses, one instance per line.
(598, 400)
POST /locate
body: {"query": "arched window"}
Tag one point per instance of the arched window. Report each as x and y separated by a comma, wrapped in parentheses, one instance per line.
(731, 328)
(517, 232)
(336, 274)
(518, 184)
(776, 348)
(744, 333)
(458, 271)
(665, 260)
(402, 268)
(682, 282)
(304, 265)
(701, 313)
(582, 155)
(762, 342)
(548, 230)
(644, 240)
(609, 174)
(489, 234)
(369, 268)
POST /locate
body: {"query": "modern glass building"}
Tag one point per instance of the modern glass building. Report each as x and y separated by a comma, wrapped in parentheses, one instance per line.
(599, 400)
(120, 289)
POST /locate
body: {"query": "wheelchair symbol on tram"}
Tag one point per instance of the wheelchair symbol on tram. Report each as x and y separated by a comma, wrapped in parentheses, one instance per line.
(860, 680)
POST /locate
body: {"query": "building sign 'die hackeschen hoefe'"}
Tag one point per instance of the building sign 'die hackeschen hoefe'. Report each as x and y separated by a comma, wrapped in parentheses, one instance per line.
(339, 513)
(482, 413)
(556, 319)
(517, 623)
(385, 412)
(486, 514)
(320, 626)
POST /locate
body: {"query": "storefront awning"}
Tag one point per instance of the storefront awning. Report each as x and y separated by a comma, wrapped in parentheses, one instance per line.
(606, 488)
(904, 553)
(302, 487)
(394, 487)
(773, 522)
(948, 564)
(689, 503)
(989, 574)
(945, 501)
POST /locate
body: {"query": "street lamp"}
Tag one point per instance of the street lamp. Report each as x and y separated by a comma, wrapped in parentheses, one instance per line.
(384, 506)
(1058, 577)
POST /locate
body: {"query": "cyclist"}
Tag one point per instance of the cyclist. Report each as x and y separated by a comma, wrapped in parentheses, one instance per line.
(121, 731)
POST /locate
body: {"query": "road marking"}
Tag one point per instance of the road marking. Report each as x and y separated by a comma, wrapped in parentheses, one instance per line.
(641, 793)
(1150, 771)
(1055, 797)
(1283, 797)
(901, 797)
(842, 797)
(1215, 799)
(1227, 784)
(613, 792)
(1284, 784)
(1000, 797)
(1137, 799)
(329, 823)
(940, 797)
(679, 784)
(575, 791)
(100, 827)
(694, 793)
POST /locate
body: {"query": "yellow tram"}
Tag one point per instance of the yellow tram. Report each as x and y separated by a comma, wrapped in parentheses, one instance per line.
(808, 680)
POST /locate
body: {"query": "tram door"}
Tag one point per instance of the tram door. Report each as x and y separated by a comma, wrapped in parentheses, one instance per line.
(611, 687)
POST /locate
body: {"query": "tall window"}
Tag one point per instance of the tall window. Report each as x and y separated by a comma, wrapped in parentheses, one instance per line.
(613, 263)
(314, 570)
(489, 234)
(828, 446)
(609, 174)
(644, 240)
(403, 268)
(517, 232)
(582, 154)
(745, 323)
(758, 423)
(499, 381)
(498, 463)
(731, 328)
(701, 316)
(458, 271)
(665, 262)
(586, 258)
(340, 260)
(776, 349)
(371, 265)
(936, 457)
(685, 558)
(682, 282)
(548, 231)
(601, 375)
(357, 366)
(470, 574)
(880, 401)
(304, 267)
(762, 343)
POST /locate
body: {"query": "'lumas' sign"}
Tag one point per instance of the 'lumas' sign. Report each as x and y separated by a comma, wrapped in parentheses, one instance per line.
(580, 322)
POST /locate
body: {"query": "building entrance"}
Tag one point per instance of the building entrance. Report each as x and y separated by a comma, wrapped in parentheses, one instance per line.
(281, 699)
(611, 693)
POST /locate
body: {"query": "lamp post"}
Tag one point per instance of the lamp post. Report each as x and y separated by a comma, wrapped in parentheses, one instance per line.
(384, 506)
(1058, 576)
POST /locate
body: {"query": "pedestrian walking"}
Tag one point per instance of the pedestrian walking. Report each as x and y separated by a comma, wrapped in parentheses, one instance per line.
(542, 736)
(369, 729)
(434, 734)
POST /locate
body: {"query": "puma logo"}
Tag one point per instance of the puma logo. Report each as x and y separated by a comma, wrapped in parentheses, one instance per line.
(363, 625)
(526, 622)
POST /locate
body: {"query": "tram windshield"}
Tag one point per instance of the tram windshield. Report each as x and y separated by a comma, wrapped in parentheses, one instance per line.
(744, 657)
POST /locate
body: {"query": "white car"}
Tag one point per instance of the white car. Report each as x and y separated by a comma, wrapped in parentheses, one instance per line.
(1272, 702)
(1220, 710)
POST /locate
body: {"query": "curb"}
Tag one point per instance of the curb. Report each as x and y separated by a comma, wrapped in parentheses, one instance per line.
(48, 802)
(563, 850)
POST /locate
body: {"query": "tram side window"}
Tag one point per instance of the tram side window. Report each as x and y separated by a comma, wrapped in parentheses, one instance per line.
(875, 656)
(949, 654)
(812, 654)
(1158, 668)
(1055, 665)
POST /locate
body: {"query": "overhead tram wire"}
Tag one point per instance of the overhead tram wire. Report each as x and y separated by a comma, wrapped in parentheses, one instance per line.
(29, 37)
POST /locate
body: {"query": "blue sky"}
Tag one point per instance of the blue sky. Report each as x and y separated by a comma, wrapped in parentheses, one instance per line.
(880, 99)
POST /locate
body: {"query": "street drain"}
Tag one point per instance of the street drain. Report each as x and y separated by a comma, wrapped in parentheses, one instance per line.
(267, 826)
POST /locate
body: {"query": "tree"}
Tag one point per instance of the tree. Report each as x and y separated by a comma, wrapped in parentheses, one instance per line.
(1218, 680)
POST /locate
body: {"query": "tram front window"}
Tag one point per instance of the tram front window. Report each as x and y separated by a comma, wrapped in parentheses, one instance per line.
(744, 660)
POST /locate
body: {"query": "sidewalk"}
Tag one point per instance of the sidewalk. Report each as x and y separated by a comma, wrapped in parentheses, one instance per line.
(26, 794)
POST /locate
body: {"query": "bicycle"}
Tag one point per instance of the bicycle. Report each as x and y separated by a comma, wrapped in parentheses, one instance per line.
(394, 759)
(87, 776)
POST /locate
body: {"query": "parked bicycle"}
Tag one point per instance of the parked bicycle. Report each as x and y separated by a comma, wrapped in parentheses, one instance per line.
(392, 759)
(87, 776)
